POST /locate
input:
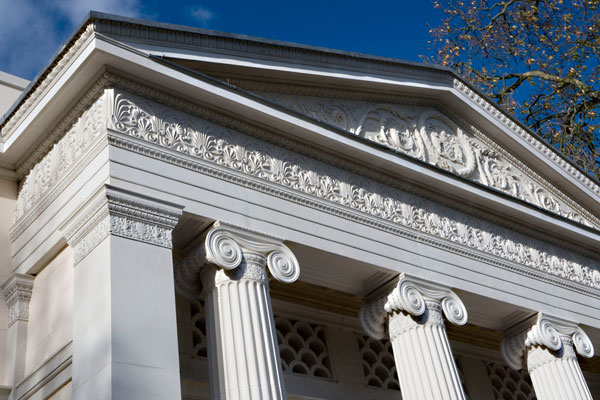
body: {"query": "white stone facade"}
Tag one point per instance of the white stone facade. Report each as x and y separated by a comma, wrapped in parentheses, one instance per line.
(188, 214)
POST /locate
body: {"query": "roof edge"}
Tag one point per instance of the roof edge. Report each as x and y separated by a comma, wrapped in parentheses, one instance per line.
(115, 25)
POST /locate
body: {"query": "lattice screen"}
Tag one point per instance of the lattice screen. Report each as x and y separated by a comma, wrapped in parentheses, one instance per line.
(509, 384)
(198, 328)
(378, 363)
(303, 348)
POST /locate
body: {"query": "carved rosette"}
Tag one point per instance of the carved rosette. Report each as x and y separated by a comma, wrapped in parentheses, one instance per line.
(121, 213)
(17, 292)
(416, 297)
(244, 253)
(546, 331)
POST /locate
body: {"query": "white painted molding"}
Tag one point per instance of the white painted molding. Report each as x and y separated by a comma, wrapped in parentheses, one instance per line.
(17, 292)
(226, 246)
(543, 330)
(46, 81)
(413, 296)
(113, 211)
(213, 149)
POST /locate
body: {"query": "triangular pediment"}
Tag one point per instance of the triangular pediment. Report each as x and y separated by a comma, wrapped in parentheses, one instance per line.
(428, 132)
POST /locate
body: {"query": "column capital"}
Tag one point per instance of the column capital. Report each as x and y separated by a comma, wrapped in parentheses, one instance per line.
(544, 330)
(119, 212)
(411, 295)
(227, 245)
(17, 292)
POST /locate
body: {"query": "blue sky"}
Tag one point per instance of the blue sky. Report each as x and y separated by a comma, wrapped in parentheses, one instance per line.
(31, 31)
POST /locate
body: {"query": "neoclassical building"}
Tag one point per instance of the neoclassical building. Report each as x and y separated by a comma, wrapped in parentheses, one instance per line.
(190, 214)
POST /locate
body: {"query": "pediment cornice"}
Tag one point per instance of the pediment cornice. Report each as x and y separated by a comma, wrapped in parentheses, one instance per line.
(414, 127)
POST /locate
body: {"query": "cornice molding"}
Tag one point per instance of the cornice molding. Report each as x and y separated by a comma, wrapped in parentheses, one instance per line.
(17, 292)
(543, 330)
(414, 296)
(46, 81)
(116, 212)
(510, 124)
(219, 151)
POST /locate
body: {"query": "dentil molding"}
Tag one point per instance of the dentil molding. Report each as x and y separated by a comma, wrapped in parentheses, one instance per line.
(414, 296)
(17, 292)
(543, 330)
(113, 211)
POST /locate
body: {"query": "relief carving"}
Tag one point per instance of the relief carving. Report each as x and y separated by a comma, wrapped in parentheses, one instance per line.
(214, 144)
(430, 136)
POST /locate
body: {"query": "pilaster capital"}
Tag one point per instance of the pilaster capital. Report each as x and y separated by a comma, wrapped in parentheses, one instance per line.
(228, 245)
(188, 272)
(114, 211)
(17, 292)
(544, 330)
(411, 295)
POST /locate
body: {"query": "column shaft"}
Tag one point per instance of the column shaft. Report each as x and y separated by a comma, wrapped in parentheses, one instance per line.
(556, 375)
(424, 360)
(252, 367)
(548, 344)
(426, 367)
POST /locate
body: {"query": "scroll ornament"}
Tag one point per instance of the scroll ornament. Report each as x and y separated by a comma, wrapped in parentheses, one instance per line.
(411, 295)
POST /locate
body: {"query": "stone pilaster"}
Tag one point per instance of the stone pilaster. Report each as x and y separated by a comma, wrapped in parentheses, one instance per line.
(17, 292)
(124, 323)
(236, 289)
(414, 311)
(548, 346)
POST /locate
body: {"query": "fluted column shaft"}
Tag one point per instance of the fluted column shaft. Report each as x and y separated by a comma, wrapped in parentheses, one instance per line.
(424, 360)
(252, 367)
(549, 348)
(234, 264)
(556, 374)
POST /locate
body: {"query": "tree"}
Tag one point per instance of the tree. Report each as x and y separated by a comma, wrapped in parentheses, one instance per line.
(537, 58)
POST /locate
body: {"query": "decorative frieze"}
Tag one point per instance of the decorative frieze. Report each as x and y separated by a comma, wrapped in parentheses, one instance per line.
(17, 292)
(52, 173)
(217, 146)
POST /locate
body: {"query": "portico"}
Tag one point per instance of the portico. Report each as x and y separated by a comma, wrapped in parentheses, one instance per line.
(260, 220)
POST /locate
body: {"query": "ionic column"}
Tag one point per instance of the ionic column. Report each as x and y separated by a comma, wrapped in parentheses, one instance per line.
(548, 345)
(17, 293)
(414, 310)
(248, 365)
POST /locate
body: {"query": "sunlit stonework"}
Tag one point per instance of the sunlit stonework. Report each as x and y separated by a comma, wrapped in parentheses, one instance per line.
(198, 228)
